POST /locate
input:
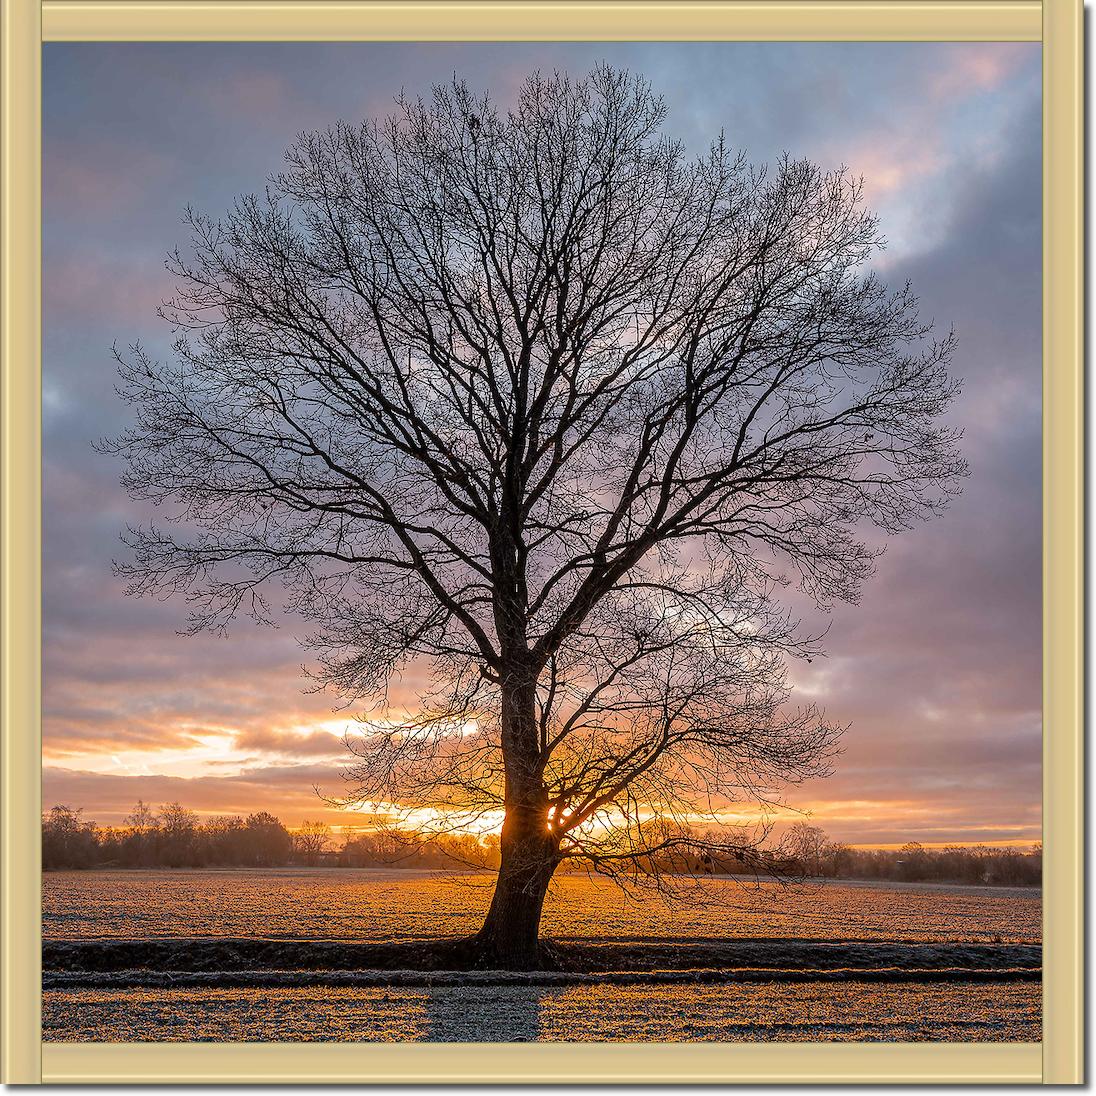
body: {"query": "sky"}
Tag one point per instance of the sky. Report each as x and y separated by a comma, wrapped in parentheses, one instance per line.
(937, 670)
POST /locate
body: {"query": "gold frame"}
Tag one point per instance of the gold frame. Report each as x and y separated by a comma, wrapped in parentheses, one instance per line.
(27, 23)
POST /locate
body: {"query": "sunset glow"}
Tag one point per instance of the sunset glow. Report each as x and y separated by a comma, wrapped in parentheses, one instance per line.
(936, 671)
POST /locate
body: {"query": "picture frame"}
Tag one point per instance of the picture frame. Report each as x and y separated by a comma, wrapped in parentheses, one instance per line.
(1057, 24)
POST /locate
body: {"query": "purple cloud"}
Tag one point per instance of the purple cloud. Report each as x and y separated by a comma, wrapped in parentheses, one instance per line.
(937, 671)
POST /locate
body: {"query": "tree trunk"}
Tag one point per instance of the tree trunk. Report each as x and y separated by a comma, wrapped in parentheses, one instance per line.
(509, 938)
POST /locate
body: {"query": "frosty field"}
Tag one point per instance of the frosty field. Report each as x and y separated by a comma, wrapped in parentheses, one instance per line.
(276, 955)
(371, 904)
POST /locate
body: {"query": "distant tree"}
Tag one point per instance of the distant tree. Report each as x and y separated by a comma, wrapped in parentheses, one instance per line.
(806, 844)
(535, 397)
(837, 858)
(177, 836)
(311, 841)
(266, 841)
(914, 862)
(358, 851)
(67, 840)
(138, 845)
(223, 841)
(142, 819)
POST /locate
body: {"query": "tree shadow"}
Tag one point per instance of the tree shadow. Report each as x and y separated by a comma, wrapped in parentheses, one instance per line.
(483, 1014)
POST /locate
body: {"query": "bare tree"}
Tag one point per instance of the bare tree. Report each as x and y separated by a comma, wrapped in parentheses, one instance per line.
(806, 844)
(534, 397)
(311, 841)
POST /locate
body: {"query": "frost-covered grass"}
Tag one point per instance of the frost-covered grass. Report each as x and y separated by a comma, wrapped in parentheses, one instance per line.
(780, 1012)
(367, 904)
(370, 955)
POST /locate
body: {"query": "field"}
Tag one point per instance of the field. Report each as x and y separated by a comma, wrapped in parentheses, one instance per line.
(284, 955)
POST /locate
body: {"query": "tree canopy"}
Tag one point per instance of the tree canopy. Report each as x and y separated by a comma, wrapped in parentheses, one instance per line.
(536, 398)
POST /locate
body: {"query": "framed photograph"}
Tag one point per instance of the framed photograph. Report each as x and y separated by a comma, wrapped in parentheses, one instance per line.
(542, 542)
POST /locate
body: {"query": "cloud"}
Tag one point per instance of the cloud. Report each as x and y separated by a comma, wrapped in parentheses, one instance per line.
(978, 67)
(98, 176)
(103, 286)
(286, 791)
(889, 164)
(937, 670)
(293, 744)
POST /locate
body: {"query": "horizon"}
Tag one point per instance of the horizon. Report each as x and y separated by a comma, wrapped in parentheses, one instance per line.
(938, 669)
(348, 830)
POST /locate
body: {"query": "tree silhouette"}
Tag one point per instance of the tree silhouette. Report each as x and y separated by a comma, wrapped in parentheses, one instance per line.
(311, 841)
(535, 398)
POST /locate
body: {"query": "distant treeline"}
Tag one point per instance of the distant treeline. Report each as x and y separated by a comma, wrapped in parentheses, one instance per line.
(1008, 867)
(173, 837)
(808, 851)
